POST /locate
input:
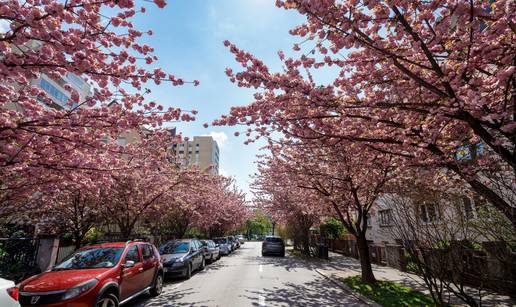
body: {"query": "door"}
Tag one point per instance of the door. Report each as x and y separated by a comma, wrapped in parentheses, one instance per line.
(197, 254)
(133, 277)
(149, 265)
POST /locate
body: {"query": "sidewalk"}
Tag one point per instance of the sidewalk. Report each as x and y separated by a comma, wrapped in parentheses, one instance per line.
(340, 266)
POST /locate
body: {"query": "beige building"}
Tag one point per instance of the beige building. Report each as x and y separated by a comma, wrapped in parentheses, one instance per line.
(202, 152)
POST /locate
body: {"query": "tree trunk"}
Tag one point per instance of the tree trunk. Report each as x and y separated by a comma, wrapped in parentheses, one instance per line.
(365, 260)
(77, 240)
(306, 245)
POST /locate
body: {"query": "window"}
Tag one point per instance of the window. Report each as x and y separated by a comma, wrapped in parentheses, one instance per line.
(385, 217)
(147, 252)
(77, 81)
(195, 247)
(104, 257)
(429, 213)
(132, 254)
(468, 209)
(53, 91)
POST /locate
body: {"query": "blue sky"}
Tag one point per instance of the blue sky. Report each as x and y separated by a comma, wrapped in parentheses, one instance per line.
(188, 36)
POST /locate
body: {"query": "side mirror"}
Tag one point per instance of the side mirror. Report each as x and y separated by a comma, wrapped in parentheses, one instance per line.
(128, 264)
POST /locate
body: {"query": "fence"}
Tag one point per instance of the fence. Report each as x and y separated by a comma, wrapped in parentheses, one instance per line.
(18, 256)
(63, 252)
(479, 268)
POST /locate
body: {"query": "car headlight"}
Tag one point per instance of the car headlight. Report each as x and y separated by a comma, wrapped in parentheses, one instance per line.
(80, 288)
(178, 262)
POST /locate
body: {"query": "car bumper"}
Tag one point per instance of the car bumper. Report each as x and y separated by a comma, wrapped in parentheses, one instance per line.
(175, 270)
(87, 299)
(273, 250)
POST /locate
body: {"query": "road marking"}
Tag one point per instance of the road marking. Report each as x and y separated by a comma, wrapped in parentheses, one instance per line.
(261, 300)
(260, 268)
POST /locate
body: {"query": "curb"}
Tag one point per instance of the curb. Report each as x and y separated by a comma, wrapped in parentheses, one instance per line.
(353, 293)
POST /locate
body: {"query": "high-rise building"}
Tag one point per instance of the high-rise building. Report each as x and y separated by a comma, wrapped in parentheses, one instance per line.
(202, 152)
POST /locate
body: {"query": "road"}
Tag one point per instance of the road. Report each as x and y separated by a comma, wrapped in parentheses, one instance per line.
(245, 278)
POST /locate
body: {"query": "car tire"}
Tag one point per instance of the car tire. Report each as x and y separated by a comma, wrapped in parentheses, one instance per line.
(107, 300)
(203, 264)
(188, 273)
(157, 288)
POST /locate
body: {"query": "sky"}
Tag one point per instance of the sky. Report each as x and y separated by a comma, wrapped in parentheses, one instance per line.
(188, 40)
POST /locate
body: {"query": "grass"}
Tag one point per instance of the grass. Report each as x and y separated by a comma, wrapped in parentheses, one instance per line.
(387, 293)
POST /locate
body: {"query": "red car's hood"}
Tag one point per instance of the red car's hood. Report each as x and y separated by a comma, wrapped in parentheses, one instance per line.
(60, 280)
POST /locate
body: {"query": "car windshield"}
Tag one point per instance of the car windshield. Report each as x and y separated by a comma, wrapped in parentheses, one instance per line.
(174, 248)
(275, 240)
(220, 241)
(103, 257)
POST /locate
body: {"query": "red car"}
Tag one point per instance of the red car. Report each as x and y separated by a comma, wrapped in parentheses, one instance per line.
(103, 275)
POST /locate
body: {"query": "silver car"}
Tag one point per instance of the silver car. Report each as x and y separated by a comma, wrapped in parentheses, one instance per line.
(224, 245)
(273, 246)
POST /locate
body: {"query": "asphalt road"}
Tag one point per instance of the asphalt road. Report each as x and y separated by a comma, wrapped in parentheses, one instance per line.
(245, 278)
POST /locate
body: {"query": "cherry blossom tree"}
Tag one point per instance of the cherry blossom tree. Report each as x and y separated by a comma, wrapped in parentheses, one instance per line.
(432, 82)
(97, 41)
(343, 179)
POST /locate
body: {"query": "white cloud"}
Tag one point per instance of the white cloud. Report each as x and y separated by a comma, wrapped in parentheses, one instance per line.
(220, 137)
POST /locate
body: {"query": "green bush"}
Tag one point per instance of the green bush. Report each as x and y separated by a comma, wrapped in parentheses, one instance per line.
(332, 229)
(387, 293)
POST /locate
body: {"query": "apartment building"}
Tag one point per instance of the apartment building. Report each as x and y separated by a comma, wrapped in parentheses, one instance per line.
(202, 152)
(55, 89)
(58, 94)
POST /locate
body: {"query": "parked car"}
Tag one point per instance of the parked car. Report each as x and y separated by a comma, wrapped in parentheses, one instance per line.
(105, 274)
(211, 251)
(240, 239)
(224, 245)
(182, 257)
(233, 243)
(9, 293)
(273, 245)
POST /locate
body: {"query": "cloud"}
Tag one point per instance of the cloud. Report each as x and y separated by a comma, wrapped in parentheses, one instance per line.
(220, 137)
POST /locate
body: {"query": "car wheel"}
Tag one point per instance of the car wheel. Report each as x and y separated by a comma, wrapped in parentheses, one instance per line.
(188, 273)
(158, 285)
(203, 264)
(107, 300)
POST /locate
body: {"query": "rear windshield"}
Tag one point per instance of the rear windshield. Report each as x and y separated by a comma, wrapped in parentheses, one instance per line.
(220, 241)
(175, 247)
(275, 240)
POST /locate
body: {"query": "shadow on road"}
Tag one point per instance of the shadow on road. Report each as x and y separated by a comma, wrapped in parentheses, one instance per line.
(169, 298)
(309, 294)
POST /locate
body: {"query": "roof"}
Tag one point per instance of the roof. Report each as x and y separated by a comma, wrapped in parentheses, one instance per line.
(113, 244)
